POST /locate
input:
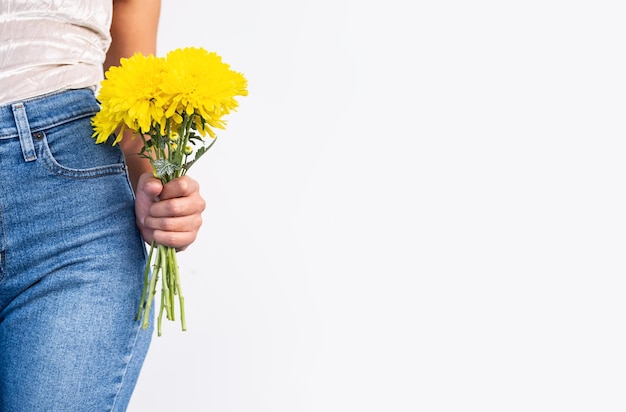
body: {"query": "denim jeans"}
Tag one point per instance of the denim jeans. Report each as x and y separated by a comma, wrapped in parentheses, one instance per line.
(71, 262)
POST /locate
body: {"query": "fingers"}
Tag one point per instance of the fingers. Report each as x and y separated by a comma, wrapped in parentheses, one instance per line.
(181, 187)
(178, 232)
(172, 213)
(178, 206)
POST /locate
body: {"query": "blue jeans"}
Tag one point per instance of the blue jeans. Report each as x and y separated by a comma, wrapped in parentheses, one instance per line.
(71, 262)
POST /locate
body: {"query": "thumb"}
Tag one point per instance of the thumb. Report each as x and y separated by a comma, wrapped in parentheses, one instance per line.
(149, 186)
(148, 190)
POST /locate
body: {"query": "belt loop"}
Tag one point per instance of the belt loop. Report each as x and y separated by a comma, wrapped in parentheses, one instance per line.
(23, 130)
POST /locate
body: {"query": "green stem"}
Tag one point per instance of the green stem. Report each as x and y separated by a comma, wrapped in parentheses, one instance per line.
(146, 284)
(177, 286)
(165, 263)
(160, 317)
(165, 283)
(151, 293)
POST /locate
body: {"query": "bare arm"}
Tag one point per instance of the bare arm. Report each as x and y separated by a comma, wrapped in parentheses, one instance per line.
(133, 29)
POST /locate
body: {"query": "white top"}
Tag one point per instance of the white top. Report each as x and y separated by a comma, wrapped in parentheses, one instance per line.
(51, 45)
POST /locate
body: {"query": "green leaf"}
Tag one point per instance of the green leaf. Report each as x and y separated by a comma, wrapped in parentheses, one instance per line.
(164, 168)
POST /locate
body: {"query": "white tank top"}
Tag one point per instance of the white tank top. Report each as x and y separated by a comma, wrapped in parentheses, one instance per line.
(51, 45)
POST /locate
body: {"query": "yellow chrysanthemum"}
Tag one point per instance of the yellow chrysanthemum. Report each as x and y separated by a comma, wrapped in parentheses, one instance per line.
(129, 96)
(197, 83)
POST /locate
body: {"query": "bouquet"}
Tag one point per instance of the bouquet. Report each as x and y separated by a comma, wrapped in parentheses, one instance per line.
(173, 104)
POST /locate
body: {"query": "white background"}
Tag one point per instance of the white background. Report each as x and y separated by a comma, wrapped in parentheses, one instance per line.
(419, 207)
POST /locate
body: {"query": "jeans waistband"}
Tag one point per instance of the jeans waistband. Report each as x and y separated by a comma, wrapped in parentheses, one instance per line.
(48, 110)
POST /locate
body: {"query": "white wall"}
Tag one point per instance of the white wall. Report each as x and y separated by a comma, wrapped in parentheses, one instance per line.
(419, 207)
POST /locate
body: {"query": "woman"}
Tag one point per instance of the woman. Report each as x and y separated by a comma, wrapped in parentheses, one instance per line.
(74, 215)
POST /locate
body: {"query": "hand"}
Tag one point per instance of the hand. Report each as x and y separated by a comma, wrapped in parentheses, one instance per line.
(170, 214)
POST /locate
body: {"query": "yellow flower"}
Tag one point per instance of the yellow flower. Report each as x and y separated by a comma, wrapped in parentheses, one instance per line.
(129, 96)
(197, 83)
(145, 91)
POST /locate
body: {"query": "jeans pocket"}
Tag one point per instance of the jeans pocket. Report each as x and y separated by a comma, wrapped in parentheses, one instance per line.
(69, 150)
